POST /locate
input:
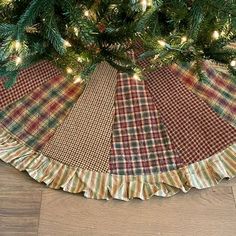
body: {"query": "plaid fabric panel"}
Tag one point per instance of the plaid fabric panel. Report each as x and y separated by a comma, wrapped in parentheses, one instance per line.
(217, 90)
(196, 131)
(28, 80)
(35, 117)
(84, 139)
(140, 143)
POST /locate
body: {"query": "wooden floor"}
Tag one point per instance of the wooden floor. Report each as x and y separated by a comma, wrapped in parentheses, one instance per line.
(30, 208)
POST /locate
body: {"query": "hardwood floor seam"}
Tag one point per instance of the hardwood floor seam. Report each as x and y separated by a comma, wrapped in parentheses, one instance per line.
(40, 208)
(234, 194)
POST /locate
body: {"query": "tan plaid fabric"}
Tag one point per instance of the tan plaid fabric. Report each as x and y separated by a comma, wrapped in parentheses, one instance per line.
(84, 139)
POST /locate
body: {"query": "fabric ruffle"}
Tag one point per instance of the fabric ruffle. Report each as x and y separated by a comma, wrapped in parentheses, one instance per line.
(202, 174)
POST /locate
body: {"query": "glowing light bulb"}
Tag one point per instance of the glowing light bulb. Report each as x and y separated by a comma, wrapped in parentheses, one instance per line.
(17, 45)
(66, 43)
(77, 79)
(215, 35)
(69, 70)
(184, 39)
(144, 5)
(156, 57)
(86, 13)
(136, 77)
(222, 33)
(76, 30)
(18, 60)
(7, 1)
(80, 59)
(162, 43)
(233, 63)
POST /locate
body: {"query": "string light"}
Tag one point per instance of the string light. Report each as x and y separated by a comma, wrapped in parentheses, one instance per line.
(69, 70)
(66, 44)
(222, 33)
(144, 5)
(18, 60)
(17, 45)
(156, 57)
(233, 63)
(184, 39)
(86, 13)
(6, 2)
(215, 35)
(136, 77)
(77, 79)
(76, 30)
(162, 43)
(80, 59)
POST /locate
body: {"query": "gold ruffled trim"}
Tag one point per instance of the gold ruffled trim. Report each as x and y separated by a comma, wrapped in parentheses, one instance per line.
(202, 174)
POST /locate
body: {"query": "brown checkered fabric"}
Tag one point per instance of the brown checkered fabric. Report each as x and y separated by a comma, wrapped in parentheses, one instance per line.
(196, 130)
(84, 139)
(28, 80)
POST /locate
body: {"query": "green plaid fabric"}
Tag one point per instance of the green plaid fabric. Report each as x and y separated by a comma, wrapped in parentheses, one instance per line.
(217, 90)
(35, 117)
(140, 142)
(28, 79)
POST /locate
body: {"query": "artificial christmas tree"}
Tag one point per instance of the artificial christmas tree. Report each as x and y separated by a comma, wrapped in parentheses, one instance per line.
(77, 35)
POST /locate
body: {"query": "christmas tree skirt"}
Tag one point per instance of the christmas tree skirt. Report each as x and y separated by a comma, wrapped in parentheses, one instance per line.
(118, 137)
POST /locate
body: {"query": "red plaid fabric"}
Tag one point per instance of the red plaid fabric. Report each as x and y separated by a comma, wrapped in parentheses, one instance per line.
(28, 80)
(140, 143)
(195, 130)
(217, 90)
(35, 117)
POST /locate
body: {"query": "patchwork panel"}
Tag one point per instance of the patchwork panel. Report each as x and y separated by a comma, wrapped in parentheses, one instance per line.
(217, 90)
(140, 143)
(196, 131)
(28, 80)
(84, 139)
(34, 118)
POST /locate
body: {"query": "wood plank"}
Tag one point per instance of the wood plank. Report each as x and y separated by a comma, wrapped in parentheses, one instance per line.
(200, 212)
(19, 212)
(13, 179)
(234, 193)
(205, 212)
